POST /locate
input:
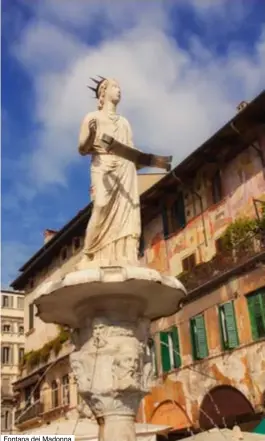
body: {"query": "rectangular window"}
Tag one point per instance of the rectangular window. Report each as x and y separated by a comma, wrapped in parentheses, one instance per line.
(165, 221)
(219, 246)
(20, 354)
(217, 193)
(189, 263)
(6, 328)
(198, 338)
(5, 301)
(6, 355)
(170, 350)
(31, 316)
(178, 212)
(21, 330)
(228, 326)
(20, 303)
(256, 307)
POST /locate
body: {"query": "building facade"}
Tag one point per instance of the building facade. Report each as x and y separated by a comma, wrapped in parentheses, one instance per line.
(12, 352)
(204, 223)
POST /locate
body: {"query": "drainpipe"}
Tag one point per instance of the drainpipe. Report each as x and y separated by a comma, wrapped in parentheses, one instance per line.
(201, 205)
(255, 147)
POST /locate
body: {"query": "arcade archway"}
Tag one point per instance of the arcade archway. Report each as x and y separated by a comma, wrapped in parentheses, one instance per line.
(224, 406)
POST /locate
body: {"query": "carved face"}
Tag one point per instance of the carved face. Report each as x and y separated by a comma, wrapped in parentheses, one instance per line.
(127, 363)
(99, 331)
(113, 92)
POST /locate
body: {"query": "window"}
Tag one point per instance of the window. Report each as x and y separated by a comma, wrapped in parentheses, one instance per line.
(170, 350)
(76, 243)
(152, 351)
(217, 193)
(31, 316)
(256, 307)
(228, 326)
(178, 212)
(189, 263)
(20, 354)
(6, 355)
(20, 303)
(55, 395)
(6, 328)
(64, 253)
(165, 221)
(198, 338)
(219, 246)
(7, 301)
(141, 245)
(21, 330)
(65, 390)
(6, 419)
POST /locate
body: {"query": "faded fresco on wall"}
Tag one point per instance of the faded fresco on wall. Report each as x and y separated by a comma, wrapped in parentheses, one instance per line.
(156, 251)
(242, 180)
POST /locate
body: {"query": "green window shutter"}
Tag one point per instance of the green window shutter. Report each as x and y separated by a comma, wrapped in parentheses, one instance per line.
(166, 366)
(251, 308)
(165, 221)
(231, 325)
(180, 210)
(201, 339)
(256, 306)
(176, 347)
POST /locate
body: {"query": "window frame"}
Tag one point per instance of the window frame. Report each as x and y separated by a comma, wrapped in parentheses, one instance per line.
(231, 340)
(259, 296)
(170, 349)
(217, 187)
(197, 352)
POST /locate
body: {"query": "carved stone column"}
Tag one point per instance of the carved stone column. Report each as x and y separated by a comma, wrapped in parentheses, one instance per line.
(109, 311)
(112, 366)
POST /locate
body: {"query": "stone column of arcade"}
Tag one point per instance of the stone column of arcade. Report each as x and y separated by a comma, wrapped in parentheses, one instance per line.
(109, 300)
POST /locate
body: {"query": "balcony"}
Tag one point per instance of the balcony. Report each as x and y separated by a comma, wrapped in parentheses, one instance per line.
(248, 254)
(29, 412)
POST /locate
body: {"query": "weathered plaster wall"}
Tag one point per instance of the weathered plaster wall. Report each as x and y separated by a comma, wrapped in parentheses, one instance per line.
(242, 180)
(242, 368)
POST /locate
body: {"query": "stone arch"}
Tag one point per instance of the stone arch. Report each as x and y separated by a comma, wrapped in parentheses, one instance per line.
(170, 413)
(223, 405)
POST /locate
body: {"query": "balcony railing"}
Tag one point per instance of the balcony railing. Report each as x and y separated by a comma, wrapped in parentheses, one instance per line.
(28, 413)
(224, 261)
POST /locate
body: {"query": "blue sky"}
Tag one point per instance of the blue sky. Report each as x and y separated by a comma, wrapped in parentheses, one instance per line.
(183, 67)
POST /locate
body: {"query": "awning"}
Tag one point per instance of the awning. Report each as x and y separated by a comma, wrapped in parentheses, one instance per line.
(21, 384)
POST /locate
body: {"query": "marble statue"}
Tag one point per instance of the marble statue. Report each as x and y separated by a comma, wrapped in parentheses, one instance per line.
(114, 228)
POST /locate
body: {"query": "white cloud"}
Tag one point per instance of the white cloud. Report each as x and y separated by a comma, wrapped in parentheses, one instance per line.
(174, 98)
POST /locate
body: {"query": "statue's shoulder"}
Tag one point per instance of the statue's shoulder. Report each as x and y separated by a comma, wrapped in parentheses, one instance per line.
(125, 121)
(89, 116)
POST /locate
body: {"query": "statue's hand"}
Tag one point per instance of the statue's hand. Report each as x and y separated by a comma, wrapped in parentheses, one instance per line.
(92, 125)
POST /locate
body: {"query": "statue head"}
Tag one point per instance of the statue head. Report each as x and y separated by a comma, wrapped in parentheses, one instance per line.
(99, 331)
(107, 89)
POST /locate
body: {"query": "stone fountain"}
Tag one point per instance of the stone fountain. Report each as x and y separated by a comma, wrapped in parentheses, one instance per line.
(109, 300)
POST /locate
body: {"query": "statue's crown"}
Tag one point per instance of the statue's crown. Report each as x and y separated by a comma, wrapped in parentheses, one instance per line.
(98, 84)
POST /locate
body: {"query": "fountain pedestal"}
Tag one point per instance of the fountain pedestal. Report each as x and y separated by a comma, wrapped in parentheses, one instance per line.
(109, 310)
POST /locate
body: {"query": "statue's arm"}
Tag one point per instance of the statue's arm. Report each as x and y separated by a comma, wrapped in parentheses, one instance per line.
(87, 135)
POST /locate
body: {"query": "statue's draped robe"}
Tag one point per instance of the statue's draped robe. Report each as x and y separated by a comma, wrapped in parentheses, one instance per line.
(114, 228)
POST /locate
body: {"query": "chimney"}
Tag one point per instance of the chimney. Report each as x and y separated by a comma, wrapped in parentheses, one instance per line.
(48, 235)
(242, 106)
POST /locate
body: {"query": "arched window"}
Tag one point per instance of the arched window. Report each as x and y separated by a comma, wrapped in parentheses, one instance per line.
(55, 394)
(65, 390)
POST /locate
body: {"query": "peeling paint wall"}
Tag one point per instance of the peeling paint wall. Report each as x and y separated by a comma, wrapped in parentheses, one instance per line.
(242, 180)
(241, 368)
